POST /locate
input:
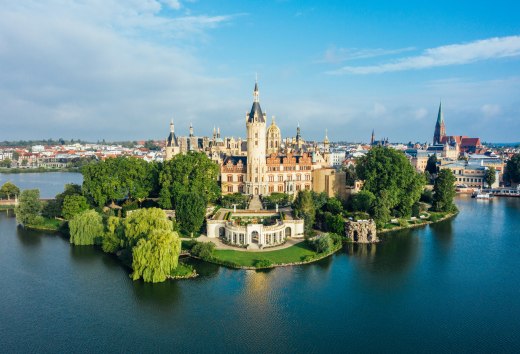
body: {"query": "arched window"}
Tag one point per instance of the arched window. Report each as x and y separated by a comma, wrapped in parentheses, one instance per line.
(230, 178)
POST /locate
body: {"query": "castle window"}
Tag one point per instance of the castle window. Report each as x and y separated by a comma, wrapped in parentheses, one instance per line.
(240, 178)
(298, 177)
(230, 178)
(271, 178)
(298, 187)
(280, 178)
(230, 189)
(307, 187)
(280, 188)
(271, 189)
(256, 135)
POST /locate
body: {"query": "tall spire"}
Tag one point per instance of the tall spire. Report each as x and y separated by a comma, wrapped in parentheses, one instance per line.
(256, 93)
(191, 129)
(440, 115)
(172, 127)
(372, 138)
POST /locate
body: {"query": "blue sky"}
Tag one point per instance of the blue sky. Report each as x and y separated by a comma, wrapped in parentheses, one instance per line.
(107, 69)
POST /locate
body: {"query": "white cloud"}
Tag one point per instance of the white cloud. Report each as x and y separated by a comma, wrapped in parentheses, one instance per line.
(491, 110)
(94, 69)
(337, 55)
(454, 54)
(173, 4)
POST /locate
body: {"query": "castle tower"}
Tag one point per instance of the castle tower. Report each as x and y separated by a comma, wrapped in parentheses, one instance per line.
(256, 183)
(440, 129)
(172, 145)
(274, 138)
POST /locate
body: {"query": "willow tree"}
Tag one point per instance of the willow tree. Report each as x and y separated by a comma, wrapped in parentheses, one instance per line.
(86, 228)
(140, 223)
(156, 256)
(113, 238)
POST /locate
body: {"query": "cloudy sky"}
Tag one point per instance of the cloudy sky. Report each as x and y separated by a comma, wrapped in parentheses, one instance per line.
(120, 70)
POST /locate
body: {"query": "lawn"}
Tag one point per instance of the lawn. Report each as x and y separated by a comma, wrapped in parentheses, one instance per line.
(48, 224)
(292, 254)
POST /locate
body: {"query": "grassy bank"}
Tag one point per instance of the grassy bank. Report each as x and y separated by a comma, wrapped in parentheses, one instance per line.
(408, 224)
(300, 253)
(47, 225)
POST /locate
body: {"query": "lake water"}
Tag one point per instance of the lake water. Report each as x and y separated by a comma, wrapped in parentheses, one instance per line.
(450, 287)
(49, 183)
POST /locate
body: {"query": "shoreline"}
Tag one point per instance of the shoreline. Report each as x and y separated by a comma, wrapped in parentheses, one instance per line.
(8, 171)
(428, 222)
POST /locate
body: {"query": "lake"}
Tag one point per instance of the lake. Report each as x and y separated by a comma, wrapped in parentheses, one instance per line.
(449, 287)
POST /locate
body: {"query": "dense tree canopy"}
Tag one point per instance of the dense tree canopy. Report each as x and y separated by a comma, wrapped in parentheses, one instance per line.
(431, 165)
(9, 190)
(29, 207)
(193, 171)
(444, 191)
(512, 172)
(156, 256)
(304, 207)
(190, 211)
(350, 174)
(119, 178)
(86, 228)
(5, 163)
(388, 175)
(363, 201)
(113, 237)
(73, 205)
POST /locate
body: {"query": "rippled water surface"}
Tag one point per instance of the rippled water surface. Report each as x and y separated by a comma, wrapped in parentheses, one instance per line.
(451, 287)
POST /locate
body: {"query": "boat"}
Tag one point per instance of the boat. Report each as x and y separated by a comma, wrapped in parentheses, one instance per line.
(478, 194)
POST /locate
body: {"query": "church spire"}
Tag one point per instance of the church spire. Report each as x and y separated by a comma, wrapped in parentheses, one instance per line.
(172, 127)
(440, 128)
(372, 138)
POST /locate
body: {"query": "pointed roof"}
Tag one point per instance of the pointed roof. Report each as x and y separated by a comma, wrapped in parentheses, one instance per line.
(255, 109)
(440, 115)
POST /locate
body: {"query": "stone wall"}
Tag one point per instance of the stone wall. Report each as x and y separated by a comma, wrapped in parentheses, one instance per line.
(362, 231)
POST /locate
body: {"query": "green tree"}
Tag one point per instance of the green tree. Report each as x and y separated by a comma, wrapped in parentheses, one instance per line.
(351, 174)
(73, 205)
(9, 190)
(270, 201)
(304, 208)
(203, 250)
(193, 171)
(239, 199)
(29, 207)
(323, 244)
(490, 176)
(140, 223)
(444, 191)
(431, 165)
(25, 162)
(16, 155)
(113, 238)
(512, 172)
(190, 212)
(381, 209)
(51, 209)
(333, 205)
(388, 170)
(86, 228)
(154, 258)
(5, 163)
(363, 201)
(334, 223)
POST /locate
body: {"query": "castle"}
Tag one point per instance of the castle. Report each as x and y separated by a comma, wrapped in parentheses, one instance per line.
(264, 163)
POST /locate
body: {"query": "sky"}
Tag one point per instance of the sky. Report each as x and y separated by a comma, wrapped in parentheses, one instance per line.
(121, 70)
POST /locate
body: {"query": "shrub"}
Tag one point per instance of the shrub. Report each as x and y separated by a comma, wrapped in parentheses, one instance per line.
(323, 244)
(263, 263)
(203, 250)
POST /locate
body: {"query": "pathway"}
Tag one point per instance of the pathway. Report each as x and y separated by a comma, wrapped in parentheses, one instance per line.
(255, 203)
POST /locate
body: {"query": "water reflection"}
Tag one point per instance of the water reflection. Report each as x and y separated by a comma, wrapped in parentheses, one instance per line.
(28, 238)
(443, 235)
(163, 296)
(84, 254)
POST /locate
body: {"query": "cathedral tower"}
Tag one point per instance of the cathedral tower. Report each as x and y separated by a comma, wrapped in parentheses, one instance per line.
(172, 145)
(256, 148)
(440, 129)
